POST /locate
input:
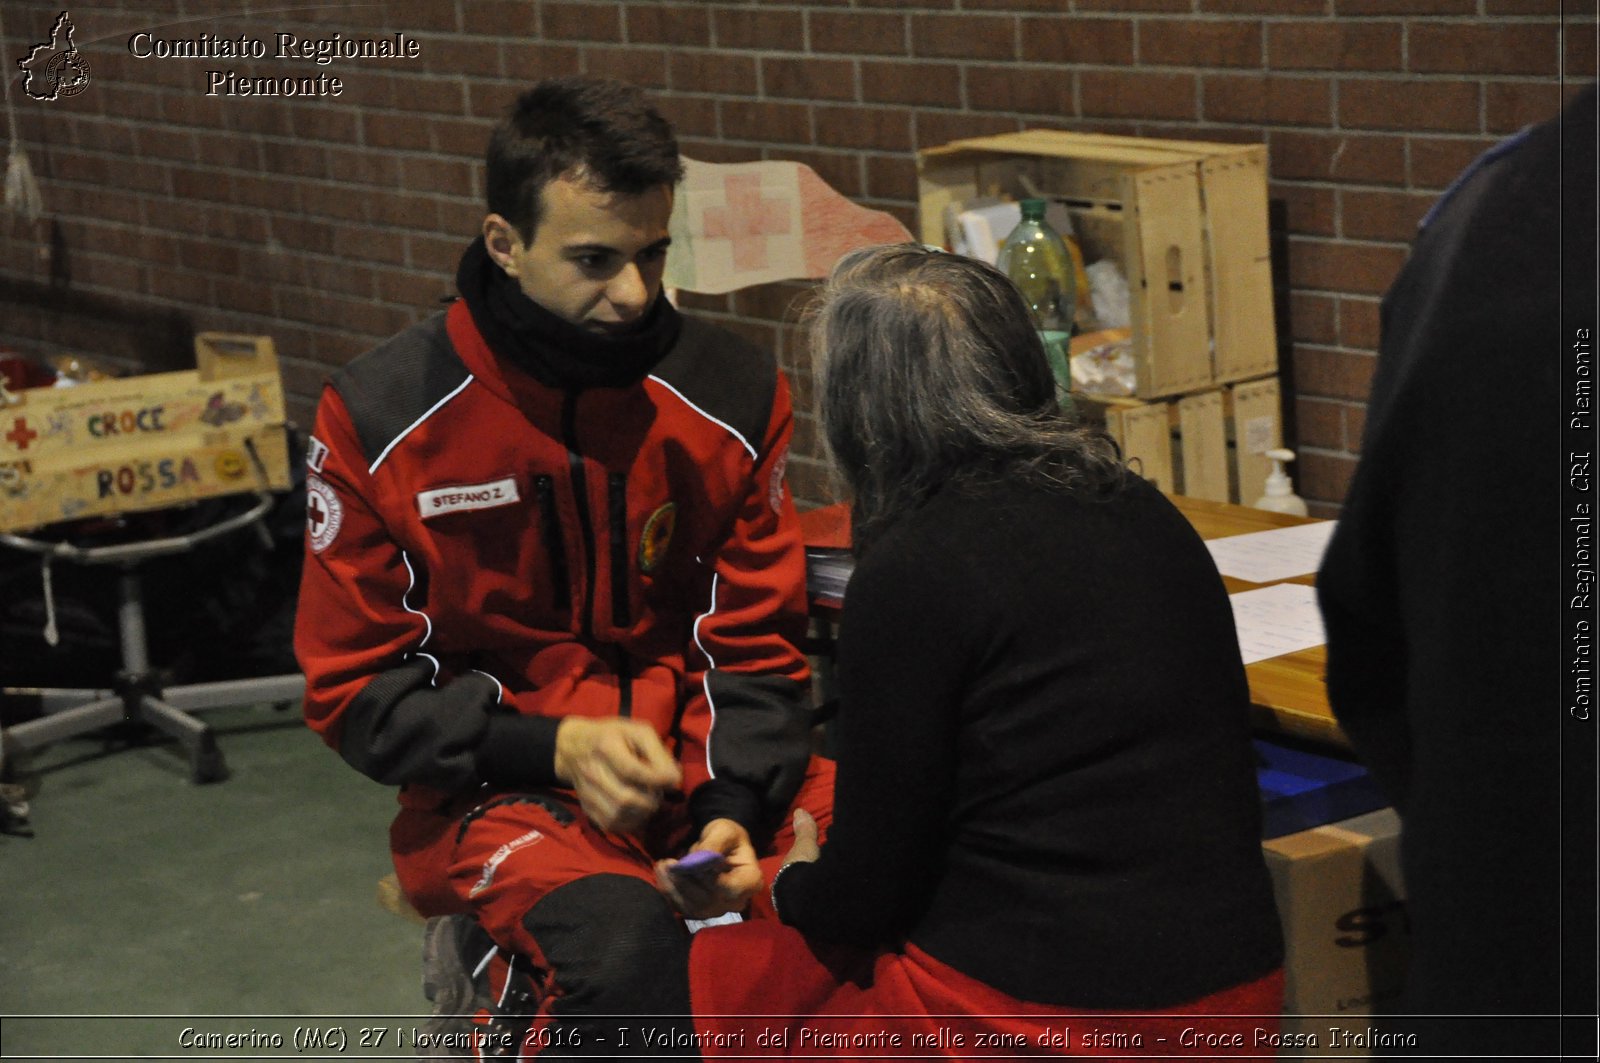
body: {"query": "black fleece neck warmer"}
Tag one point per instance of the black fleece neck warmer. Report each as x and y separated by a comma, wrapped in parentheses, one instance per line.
(553, 351)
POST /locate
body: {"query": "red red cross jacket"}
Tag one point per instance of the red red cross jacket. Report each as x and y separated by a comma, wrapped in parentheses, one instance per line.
(486, 555)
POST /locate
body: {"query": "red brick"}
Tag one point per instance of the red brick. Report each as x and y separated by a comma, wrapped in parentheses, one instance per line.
(1095, 41)
(768, 121)
(1137, 95)
(925, 84)
(580, 22)
(1324, 477)
(1037, 90)
(941, 127)
(808, 79)
(452, 56)
(1189, 42)
(1334, 46)
(1320, 371)
(1052, 6)
(645, 67)
(416, 16)
(380, 129)
(1267, 98)
(1325, 265)
(1309, 208)
(345, 202)
(685, 25)
(864, 128)
(414, 288)
(527, 61)
(892, 177)
(1579, 55)
(1359, 324)
(711, 72)
(1320, 423)
(375, 168)
(1405, 7)
(893, 3)
(1522, 7)
(1476, 50)
(1369, 215)
(446, 176)
(858, 32)
(964, 36)
(758, 29)
(1315, 317)
(1123, 7)
(1435, 161)
(690, 115)
(1355, 425)
(1510, 105)
(327, 123)
(1410, 105)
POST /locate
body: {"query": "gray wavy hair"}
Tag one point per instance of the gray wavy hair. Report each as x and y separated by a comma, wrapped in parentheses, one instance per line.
(931, 376)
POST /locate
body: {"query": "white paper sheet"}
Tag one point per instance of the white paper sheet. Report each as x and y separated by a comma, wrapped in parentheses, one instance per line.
(1282, 553)
(1276, 620)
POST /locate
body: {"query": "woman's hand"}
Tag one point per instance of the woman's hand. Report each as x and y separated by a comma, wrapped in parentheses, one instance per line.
(708, 896)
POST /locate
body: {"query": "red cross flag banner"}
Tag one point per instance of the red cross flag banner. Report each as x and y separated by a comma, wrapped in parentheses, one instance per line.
(739, 224)
(145, 442)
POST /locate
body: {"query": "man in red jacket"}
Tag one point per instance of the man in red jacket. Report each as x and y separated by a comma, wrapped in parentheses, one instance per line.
(555, 586)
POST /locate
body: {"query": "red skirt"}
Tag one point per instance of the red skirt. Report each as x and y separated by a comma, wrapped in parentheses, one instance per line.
(761, 989)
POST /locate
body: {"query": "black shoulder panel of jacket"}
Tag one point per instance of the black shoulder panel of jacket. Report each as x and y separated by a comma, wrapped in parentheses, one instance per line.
(725, 376)
(389, 387)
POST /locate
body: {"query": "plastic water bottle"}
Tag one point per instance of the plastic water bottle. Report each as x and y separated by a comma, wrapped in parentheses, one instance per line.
(1036, 259)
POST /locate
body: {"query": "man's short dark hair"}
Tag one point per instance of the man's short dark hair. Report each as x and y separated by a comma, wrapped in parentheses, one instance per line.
(605, 130)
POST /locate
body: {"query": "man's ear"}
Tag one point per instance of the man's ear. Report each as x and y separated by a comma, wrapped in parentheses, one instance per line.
(502, 240)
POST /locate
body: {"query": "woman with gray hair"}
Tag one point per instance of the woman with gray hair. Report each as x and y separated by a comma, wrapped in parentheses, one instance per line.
(1046, 826)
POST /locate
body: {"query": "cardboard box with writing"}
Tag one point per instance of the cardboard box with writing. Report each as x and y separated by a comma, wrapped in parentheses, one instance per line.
(1342, 904)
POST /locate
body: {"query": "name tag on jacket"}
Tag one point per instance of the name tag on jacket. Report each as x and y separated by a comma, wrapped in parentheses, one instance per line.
(444, 500)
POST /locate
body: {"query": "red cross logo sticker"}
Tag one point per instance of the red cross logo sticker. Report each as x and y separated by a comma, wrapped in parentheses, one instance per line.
(21, 434)
(747, 220)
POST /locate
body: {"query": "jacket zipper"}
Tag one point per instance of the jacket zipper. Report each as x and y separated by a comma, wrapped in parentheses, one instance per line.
(580, 492)
(544, 488)
(618, 496)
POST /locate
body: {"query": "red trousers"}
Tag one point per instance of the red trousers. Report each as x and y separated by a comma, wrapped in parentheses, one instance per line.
(761, 989)
(497, 856)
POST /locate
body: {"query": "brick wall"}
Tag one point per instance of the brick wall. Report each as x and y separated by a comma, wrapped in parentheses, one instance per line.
(331, 221)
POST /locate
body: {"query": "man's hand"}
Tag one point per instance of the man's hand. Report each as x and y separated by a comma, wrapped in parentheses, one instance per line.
(619, 769)
(708, 896)
(805, 849)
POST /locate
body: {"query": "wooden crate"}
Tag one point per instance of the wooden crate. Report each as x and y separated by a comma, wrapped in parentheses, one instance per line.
(1185, 220)
(145, 442)
(1208, 445)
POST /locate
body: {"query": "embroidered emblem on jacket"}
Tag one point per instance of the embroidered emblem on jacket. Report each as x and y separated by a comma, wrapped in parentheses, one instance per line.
(324, 513)
(444, 500)
(657, 534)
(316, 454)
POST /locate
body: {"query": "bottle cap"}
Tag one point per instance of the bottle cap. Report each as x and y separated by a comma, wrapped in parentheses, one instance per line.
(1033, 209)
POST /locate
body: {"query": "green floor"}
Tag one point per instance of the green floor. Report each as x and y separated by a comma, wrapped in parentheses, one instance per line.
(149, 914)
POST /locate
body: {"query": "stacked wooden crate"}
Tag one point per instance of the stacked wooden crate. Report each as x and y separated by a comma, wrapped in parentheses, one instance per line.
(1186, 222)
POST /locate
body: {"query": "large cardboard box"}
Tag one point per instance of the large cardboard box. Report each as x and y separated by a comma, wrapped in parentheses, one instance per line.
(145, 442)
(1211, 444)
(1185, 220)
(1342, 904)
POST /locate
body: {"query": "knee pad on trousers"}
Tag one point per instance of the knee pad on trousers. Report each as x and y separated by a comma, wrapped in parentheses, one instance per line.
(615, 946)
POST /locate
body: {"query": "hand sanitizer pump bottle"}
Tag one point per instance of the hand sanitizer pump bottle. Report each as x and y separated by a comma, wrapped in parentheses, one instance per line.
(1280, 496)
